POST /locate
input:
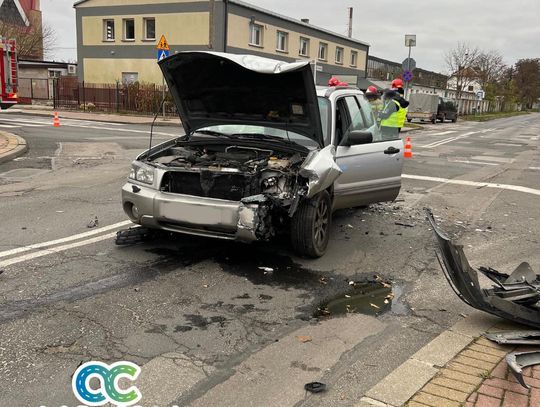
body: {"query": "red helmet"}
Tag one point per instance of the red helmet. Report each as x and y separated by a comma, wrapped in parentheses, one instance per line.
(333, 81)
(397, 83)
(372, 90)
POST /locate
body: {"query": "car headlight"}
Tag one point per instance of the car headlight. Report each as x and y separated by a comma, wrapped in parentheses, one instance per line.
(142, 173)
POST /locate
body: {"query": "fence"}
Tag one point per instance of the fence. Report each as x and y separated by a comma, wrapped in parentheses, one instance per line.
(70, 94)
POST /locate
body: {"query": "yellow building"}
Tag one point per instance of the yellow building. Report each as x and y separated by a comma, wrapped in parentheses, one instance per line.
(116, 39)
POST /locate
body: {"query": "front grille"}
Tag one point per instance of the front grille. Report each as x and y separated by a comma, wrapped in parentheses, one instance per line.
(211, 184)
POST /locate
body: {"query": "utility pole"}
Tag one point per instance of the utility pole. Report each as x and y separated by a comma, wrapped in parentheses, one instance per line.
(349, 32)
(410, 41)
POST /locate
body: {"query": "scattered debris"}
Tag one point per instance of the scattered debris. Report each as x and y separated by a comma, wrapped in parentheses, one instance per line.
(93, 223)
(407, 225)
(513, 297)
(374, 305)
(515, 337)
(519, 360)
(323, 280)
(1, 271)
(315, 387)
(60, 211)
(266, 269)
(132, 235)
(304, 338)
(206, 285)
(136, 289)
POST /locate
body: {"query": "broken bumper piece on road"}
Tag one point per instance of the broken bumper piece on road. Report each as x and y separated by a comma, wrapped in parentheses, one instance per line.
(517, 361)
(514, 297)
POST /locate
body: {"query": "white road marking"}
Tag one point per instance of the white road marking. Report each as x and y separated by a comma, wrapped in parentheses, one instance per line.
(8, 126)
(534, 168)
(63, 240)
(517, 188)
(472, 162)
(509, 144)
(57, 249)
(448, 140)
(443, 133)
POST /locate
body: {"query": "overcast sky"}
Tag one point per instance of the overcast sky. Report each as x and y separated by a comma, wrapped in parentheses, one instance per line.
(512, 27)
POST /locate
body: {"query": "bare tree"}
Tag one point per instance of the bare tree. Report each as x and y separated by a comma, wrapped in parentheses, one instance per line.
(489, 68)
(460, 63)
(32, 42)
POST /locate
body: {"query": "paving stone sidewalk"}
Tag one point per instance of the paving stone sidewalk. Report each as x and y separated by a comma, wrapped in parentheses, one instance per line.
(479, 377)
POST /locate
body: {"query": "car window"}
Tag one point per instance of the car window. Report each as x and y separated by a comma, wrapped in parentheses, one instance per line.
(355, 114)
(325, 108)
(366, 110)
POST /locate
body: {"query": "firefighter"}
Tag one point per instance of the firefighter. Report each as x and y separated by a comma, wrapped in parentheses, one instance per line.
(397, 85)
(374, 97)
(389, 115)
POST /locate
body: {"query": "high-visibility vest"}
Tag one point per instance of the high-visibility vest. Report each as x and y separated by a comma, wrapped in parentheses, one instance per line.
(393, 120)
(402, 116)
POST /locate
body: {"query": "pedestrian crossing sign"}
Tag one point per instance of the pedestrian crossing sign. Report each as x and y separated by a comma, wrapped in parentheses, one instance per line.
(162, 54)
(163, 44)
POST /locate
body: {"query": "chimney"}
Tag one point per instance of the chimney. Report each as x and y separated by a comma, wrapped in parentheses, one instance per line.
(305, 20)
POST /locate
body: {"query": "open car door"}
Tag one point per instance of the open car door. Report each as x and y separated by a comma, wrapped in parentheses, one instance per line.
(371, 171)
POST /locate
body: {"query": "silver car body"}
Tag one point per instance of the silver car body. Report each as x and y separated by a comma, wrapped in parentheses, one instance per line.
(357, 175)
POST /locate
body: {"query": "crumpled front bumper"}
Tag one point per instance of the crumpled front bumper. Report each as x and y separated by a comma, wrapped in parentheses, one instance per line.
(193, 215)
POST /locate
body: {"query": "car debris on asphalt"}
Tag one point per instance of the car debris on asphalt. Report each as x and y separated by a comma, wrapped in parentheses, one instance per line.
(315, 387)
(93, 223)
(513, 297)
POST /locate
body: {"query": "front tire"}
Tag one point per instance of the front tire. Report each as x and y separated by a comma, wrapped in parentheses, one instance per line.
(310, 226)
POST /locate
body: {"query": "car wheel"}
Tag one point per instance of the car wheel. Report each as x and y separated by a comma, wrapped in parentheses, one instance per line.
(454, 119)
(409, 120)
(310, 226)
(443, 118)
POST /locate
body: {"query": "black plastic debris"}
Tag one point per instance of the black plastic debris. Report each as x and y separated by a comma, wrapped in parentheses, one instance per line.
(514, 297)
(515, 337)
(517, 361)
(133, 235)
(315, 387)
(93, 223)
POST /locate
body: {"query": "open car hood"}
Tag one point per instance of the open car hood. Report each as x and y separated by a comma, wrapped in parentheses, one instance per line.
(212, 88)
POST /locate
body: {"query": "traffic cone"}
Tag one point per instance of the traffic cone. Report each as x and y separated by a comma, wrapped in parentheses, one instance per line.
(408, 148)
(56, 120)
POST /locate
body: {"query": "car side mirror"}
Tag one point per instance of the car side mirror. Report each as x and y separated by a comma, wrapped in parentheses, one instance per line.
(357, 137)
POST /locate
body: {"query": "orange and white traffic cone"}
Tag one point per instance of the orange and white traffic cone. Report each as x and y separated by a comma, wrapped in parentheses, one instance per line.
(408, 148)
(56, 120)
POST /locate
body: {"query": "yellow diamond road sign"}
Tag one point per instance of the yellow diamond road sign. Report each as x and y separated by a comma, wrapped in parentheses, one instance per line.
(163, 44)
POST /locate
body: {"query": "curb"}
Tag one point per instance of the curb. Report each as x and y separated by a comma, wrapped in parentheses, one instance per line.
(412, 375)
(96, 119)
(16, 147)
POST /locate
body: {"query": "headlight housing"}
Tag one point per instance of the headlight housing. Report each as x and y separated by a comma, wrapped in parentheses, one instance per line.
(142, 173)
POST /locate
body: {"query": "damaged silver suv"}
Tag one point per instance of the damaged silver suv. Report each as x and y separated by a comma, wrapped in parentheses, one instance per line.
(265, 154)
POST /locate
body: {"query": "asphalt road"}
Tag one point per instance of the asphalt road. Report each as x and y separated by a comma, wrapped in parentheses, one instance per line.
(208, 323)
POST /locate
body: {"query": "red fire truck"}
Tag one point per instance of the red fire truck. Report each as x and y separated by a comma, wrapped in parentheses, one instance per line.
(8, 73)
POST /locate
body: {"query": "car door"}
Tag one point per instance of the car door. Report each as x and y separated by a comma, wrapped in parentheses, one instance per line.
(371, 172)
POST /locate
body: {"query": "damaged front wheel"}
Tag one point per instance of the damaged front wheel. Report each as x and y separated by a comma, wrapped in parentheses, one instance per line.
(310, 226)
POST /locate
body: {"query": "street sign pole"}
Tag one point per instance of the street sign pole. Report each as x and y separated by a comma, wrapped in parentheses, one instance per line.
(410, 41)
(163, 52)
(408, 69)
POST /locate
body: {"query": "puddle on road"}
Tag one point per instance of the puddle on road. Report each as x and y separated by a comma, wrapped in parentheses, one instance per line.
(368, 298)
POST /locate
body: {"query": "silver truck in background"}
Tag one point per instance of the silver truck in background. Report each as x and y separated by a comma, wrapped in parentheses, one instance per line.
(424, 106)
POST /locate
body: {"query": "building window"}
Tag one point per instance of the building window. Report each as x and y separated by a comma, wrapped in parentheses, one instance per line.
(108, 30)
(304, 47)
(354, 58)
(282, 41)
(149, 28)
(256, 35)
(471, 88)
(53, 73)
(323, 51)
(129, 29)
(129, 78)
(339, 55)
